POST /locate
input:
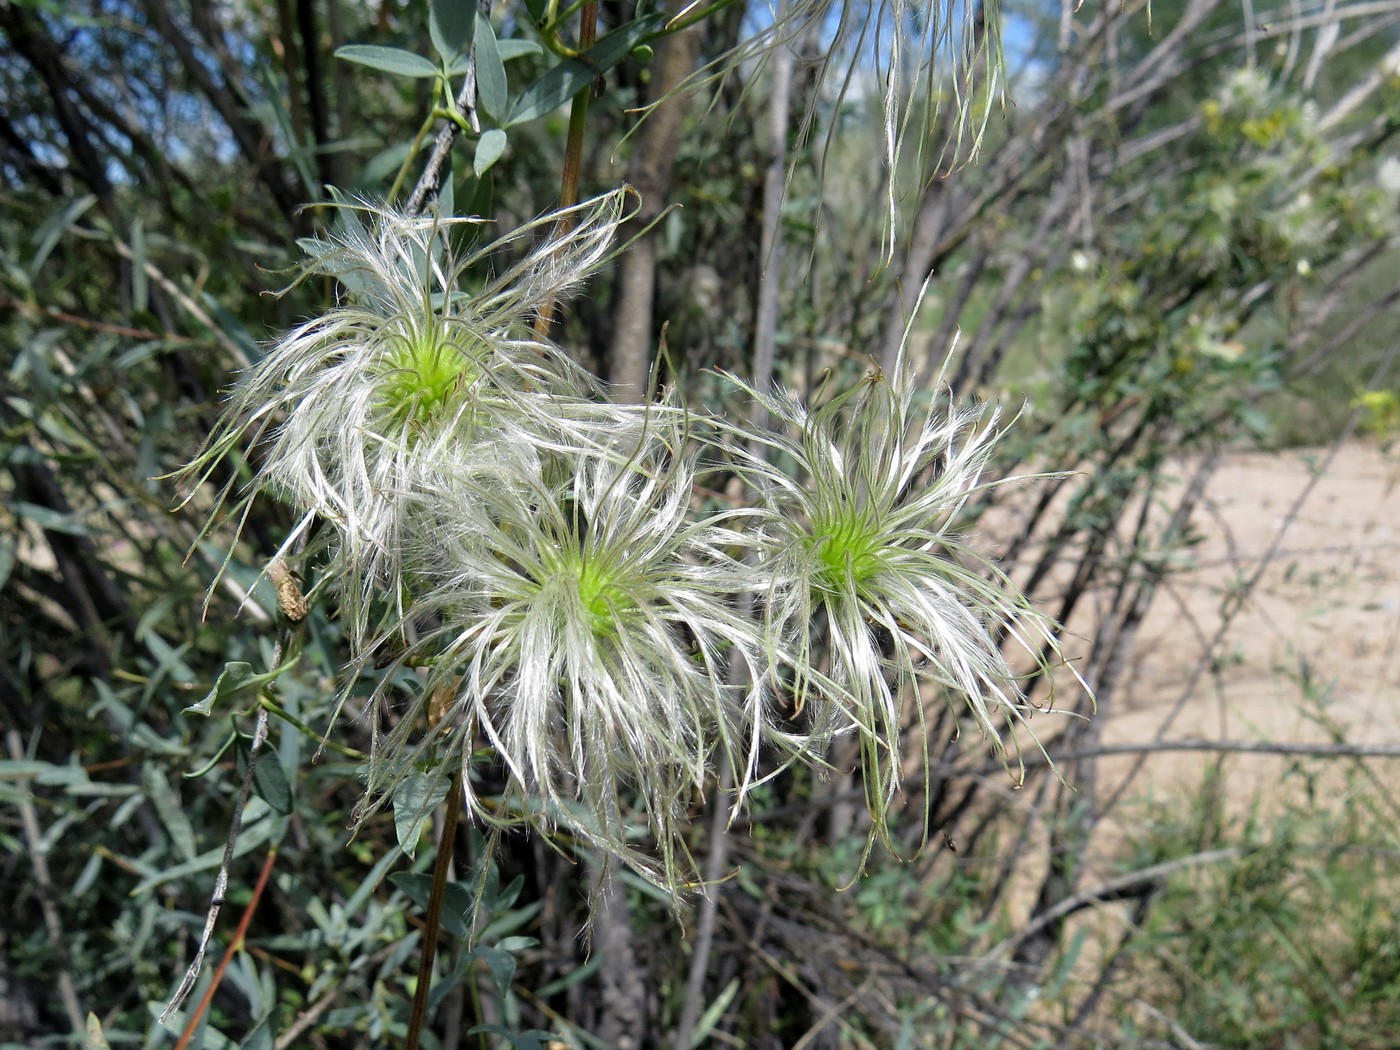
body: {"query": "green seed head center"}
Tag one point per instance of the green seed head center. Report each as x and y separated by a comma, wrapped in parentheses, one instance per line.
(849, 551)
(602, 597)
(422, 376)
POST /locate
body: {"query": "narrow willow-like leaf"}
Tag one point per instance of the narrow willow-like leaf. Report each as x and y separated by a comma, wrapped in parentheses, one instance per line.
(140, 282)
(571, 76)
(168, 809)
(450, 24)
(47, 236)
(388, 60)
(49, 519)
(258, 827)
(490, 70)
(7, 558)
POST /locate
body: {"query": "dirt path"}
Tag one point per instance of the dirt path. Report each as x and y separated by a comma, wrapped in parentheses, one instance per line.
(1317, 645)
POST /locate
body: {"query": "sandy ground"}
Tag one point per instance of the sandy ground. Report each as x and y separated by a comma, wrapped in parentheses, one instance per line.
(1311, 652)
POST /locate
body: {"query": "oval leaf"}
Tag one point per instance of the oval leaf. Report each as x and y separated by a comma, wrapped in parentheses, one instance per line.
(506, 49)
(450, 26)
(388, 60)
(269, 779)
(512, 49)
(236, 676)
(488, 150)
(490, 70)
(414, 801)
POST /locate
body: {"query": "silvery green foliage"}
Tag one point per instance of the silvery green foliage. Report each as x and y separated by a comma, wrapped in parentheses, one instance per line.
(528, 581)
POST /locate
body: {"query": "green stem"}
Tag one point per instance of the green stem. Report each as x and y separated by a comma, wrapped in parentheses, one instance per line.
(269, 704)
(549, 32)
(443, 113)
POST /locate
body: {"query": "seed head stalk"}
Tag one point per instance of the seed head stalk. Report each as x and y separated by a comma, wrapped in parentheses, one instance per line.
(573, 152)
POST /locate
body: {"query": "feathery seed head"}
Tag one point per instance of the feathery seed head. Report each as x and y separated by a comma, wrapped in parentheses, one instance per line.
(423, 372)
(409, 369)
(587, 630)
(855, 536)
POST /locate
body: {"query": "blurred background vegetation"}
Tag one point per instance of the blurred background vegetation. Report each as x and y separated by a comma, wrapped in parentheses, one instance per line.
(1176, 239)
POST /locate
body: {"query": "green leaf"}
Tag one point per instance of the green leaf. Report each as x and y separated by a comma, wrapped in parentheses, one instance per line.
(458, 899)
(233, 328)
(269, 779)
(94, 1039)
(518, 1040)
(508, 920)
(371, 881)
(236, 676)
(169, 810)
(450, 27)
(414, 801)
(169, 660)
(502, 966)
(388, 60)
(26, 770)
(447, 190)
(488, 150)
(140, 283)
(713, 1013)
(381, 166)
(260, 1038)
(7, 559)
(299, 155)
(47, 236)
(88, 875)
(571, 76)
(490, 70)
(49, 520)
(509, 50)
(585, 971)
(255, 832)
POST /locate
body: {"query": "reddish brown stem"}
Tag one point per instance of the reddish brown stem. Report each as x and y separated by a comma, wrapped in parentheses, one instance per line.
(573, 152)
(433, 920)
(234, 945)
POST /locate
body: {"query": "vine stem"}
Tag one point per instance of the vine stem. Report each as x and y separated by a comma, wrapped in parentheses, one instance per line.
(216, 902)
(441, 865)
(293, 612)
(234, 946)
